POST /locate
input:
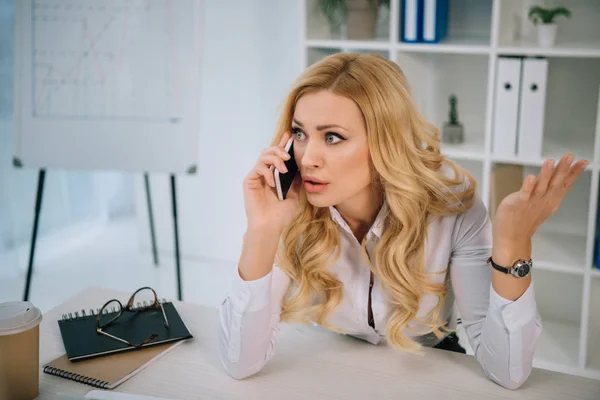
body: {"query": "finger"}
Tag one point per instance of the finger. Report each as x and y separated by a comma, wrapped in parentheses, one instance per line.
(284, 139)
(561, 171)
(527, 187)
(574, 173)
(275, 151)
(544, 178)
(263, 171)
(275, 160)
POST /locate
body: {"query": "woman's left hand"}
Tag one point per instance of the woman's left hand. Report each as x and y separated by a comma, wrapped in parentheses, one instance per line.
(521, 213)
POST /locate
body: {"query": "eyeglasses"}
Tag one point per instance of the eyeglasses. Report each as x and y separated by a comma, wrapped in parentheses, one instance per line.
(105, 317)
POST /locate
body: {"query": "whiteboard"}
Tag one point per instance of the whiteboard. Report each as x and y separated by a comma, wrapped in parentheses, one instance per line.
(108, 84)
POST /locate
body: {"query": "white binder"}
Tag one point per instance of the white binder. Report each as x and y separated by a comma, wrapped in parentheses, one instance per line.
(531, 115)
(506, 111)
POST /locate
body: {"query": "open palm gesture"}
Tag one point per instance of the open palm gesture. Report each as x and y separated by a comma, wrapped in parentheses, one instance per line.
(521, 213)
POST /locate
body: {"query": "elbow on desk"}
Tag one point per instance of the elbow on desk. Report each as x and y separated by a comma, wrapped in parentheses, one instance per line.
(235, 367)
(238, 371)
(509, 380)
(509, 383)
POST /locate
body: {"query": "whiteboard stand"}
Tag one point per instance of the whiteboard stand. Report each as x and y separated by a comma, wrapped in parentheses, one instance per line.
(151, 219)
(108, 86)
(36, 218)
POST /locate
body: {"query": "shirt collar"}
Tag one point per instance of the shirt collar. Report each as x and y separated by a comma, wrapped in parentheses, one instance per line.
(376, 228)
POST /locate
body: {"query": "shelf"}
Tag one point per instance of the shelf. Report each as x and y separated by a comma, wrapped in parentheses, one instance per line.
(559, 252)
(558, 344)
(552, 149)
(583, 50)
(465, 151)
(348, 44)
(450, 46)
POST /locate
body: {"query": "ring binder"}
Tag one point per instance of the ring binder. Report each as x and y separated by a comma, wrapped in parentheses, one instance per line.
(75, 315)
(76, 377)
(107, 372)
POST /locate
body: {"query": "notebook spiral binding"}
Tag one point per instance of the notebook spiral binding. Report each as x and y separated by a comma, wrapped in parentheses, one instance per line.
(93, 313)
(76, 377)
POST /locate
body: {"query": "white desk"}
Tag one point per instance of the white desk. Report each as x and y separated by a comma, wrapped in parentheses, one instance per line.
(309, 363)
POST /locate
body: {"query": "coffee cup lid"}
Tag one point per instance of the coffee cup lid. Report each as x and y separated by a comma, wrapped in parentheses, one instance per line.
(18, 316)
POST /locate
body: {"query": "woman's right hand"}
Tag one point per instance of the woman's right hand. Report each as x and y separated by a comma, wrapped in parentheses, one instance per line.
(264, 210)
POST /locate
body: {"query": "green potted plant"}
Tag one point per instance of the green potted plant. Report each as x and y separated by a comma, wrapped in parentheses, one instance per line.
(453, 131)
(544, 19)
(358, 16)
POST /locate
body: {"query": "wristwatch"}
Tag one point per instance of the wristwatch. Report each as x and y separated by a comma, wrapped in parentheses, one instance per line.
(520, 269)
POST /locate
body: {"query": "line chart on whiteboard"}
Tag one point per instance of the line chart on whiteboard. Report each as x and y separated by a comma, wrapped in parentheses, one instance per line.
(105, 60)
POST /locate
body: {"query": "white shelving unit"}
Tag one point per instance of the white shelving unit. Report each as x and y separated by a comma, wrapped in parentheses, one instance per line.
(567, 282)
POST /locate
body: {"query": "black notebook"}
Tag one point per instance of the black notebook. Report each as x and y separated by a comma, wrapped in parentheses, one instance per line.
(81, 341)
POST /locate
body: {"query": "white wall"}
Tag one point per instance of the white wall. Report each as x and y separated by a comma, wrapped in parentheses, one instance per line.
(251, 56)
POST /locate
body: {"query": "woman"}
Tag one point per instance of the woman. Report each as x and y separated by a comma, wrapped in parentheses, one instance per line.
(380, 234)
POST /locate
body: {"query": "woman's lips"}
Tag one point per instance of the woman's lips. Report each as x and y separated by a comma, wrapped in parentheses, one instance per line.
(313, 187)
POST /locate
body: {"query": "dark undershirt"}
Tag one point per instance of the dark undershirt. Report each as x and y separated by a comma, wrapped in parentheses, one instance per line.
(371, 320)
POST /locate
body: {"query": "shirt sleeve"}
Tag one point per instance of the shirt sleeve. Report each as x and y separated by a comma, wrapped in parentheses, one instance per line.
(249, 322)
(502, 333)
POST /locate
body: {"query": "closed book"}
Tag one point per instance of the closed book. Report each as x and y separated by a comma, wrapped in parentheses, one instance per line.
(82, 341)
(110, 371)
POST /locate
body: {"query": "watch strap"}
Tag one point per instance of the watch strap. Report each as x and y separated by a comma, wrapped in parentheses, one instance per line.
(498, 267)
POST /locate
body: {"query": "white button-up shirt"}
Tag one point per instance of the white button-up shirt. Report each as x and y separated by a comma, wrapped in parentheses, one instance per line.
(502, 333)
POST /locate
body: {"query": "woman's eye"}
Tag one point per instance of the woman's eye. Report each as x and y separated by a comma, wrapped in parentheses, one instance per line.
(299, 135)
(333, 138)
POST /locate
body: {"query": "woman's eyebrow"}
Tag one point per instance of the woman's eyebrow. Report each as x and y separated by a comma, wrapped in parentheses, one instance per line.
(319, 127)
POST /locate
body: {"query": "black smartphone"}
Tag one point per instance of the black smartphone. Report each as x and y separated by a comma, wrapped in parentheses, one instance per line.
(283, 182)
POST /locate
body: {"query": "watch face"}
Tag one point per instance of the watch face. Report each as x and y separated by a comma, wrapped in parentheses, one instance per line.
(522, 270)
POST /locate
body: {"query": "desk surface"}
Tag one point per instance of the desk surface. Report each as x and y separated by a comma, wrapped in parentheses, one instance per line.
(308, 363)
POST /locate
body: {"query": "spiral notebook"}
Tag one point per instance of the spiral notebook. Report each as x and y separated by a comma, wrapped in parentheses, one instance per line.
(81, 341)
(110, 371)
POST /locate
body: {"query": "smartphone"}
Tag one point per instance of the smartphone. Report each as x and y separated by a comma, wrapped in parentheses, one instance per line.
(283, 182)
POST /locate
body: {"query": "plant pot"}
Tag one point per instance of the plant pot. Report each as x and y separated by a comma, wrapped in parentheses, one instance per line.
(360, 24)
(547, 34)
(453, 134)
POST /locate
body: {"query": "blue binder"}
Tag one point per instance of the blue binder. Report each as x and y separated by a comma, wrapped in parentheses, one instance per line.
(435, 20)
(411, 21)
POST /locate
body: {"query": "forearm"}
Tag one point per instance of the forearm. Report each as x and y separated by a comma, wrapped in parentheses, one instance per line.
(258, 252)
(505, 253)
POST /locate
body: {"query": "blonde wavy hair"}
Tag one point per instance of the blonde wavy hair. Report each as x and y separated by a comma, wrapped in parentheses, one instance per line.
(406, 162)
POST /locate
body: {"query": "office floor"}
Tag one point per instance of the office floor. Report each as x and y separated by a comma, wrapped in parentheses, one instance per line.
(112, 259)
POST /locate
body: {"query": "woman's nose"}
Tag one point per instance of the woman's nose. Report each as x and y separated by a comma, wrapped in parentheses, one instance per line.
(312, 157)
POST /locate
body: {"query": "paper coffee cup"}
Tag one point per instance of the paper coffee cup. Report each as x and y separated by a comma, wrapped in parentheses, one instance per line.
(19, 350)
